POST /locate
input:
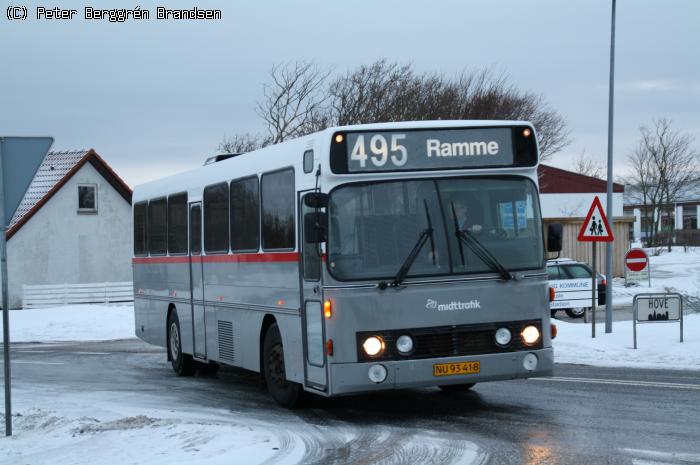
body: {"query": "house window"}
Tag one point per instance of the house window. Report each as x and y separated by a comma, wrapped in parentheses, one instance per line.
(87, 198)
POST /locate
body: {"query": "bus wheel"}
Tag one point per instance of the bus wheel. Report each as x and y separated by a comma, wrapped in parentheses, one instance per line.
(457, 387)
(576, 312)
(286, 393)
(183, 365)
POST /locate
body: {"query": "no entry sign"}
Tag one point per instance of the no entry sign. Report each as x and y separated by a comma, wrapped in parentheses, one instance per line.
(636, 260)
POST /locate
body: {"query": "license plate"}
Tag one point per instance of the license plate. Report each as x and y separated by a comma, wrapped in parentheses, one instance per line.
(460, 368)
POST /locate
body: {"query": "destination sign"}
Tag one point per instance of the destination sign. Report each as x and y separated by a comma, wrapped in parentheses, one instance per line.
(425, 149)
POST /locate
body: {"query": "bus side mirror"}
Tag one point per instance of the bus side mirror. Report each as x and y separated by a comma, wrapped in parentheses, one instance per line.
(316, 200)
(555, 232)
(315, 227)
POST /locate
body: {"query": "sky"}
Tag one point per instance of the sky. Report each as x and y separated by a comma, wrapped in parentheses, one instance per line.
(157, 97)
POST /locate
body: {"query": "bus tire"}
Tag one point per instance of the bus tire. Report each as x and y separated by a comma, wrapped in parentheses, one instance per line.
(457, 387)
(575, 312)
(286, 393)
(183, 365)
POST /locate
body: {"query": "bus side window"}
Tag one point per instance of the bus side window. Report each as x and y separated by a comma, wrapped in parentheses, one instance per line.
(140, 232)
(196, 230)
(278, 223)
(157, 228)
(177, 224)
(216, 211)
(245, 203)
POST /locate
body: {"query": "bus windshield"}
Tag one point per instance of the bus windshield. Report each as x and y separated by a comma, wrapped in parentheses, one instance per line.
(373, 226)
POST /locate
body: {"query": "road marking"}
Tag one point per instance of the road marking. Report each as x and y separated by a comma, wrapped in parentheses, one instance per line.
(655, 456)
(60, 352)
(33, 362)
(623, 382)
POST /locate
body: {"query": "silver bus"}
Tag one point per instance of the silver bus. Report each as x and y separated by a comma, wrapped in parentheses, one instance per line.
(355, 259)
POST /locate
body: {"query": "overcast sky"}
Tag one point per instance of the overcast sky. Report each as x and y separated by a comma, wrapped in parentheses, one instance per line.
(155, 97)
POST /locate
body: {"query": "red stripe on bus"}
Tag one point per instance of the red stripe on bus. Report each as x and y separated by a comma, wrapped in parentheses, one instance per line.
(242, 258)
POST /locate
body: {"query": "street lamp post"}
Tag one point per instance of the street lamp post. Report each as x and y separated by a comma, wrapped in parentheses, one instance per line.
(609, 202)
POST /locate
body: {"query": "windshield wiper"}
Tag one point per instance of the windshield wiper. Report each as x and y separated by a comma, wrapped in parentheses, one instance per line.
(466, 237)
(424, 236)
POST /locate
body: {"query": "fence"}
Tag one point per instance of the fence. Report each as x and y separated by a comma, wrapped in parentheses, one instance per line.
(52, 295)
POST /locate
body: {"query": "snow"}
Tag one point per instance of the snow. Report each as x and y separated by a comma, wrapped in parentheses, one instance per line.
(98, 428)
(72, 323)
(658, 345)
(675, 271)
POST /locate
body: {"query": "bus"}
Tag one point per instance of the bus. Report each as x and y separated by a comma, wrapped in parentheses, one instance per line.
(355, 259)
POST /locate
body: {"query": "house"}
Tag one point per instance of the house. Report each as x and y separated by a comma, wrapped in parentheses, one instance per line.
(683, 215)
(565, 197)
(73, 225)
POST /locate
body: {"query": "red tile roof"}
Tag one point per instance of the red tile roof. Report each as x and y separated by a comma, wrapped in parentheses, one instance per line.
(558, 181)
(56, 169)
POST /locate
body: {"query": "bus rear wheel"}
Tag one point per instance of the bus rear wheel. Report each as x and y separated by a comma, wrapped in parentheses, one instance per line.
(183, 365)
(286, 393)
(457, 387)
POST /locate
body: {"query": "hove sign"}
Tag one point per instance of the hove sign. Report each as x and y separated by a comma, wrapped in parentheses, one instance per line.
(657, 308)
(637, 267)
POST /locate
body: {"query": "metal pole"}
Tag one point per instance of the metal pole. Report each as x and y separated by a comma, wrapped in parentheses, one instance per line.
(594, 286)
(5, 309)
(680, 302)
(609, 203)
(634, 320)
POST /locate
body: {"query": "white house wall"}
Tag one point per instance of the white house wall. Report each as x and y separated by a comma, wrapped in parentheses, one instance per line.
(576, 205)
(59, 245)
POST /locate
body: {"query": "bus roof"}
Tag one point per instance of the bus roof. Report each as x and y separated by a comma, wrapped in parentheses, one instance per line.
(273, 157)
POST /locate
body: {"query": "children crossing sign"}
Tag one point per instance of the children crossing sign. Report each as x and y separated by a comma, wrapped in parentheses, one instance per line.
(595, 228)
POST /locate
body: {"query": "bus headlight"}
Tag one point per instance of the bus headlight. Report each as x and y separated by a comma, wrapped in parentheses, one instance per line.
(377, 373)
(530, 335)
(373, 346)
(503, 336)
(404, 344)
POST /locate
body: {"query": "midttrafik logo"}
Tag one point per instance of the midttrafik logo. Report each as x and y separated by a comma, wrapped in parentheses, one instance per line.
(454, 305)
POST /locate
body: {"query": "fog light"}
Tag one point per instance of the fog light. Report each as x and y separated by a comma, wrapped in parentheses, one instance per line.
(373, 346)
(530, 362)
(503, 336)
(530, 335)
(404, 344)
(377, 373)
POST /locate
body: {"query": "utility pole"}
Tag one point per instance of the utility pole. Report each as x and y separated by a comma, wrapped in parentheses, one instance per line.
(609, 198)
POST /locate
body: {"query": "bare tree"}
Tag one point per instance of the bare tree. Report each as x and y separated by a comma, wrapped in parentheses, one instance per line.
(293, 103)
(241, 143)
(302, 99)
(664, 165)
(385, 91)
(586, 166)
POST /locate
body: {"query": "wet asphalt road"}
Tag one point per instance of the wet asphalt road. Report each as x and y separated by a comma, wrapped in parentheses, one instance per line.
(584, 415)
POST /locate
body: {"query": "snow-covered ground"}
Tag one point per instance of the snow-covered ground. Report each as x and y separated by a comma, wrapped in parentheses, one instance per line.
(658, 345)
(72, 323)
(675, 271)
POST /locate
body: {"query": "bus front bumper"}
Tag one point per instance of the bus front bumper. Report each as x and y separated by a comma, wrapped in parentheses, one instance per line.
(348, 378)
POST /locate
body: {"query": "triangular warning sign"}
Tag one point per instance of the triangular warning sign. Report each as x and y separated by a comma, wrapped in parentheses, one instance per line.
(596, 227)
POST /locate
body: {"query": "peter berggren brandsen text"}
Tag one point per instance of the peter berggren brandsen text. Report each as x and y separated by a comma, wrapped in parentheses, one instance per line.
(122, 15)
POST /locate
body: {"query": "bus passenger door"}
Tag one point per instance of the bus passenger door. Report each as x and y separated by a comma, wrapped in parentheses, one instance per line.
(315, 367)
(197, 281)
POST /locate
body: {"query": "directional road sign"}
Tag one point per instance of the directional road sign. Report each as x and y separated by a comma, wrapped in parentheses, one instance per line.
(21, 157)
(596, 227)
